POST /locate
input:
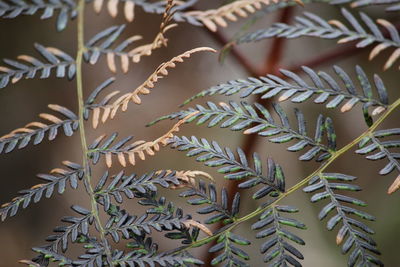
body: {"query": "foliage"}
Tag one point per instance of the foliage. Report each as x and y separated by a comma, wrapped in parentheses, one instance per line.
(128, 239)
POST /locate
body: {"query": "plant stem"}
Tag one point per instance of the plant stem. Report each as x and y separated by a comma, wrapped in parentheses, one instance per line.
(79, 88)
(299, 185)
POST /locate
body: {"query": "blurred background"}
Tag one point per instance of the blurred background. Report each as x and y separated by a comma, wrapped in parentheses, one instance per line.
(22, 102)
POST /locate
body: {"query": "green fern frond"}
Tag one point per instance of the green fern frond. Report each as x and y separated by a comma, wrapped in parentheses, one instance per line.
(37, 130)
(220, 209)
(245, 116)
(278, 251)
(230, 255)
(127, 224)
(314, 26)
(233, 167)
(58, 178)
(28, 67)
(77, 226)
(376, 142)
(130, 185)
(326, 88)
(394, 4)
(67, 10)
(48, 254)
(353, 234)
(135, 259)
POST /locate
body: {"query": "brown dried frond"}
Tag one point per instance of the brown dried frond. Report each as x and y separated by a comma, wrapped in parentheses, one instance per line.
(30, 263)
(202, 227)
(110, 110)
(187, 177)
(143, 148)
(129, 7)
(395, 186)
(213, 18)
(160, 39)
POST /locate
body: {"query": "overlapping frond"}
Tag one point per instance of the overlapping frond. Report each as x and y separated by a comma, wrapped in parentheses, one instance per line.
(234, 167)
(35, 131)
(112, 102)
(28, 67)
(208, 196)
(56, 180)
(278, 251)
(129, 185)
(213, 18)
(376, 141)
(136, 259)
(353, 234)
(258, 120)
(128, 224)
(394, 5)
(67, 10)
(102, 146)
(230, 253)
(314, 26)
(332, 90)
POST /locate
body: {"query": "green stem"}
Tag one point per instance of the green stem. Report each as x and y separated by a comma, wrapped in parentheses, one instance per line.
(86, 165)
(299, 185)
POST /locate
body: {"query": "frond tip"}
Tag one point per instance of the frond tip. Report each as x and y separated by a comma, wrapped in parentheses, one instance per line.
(138, 148)
(58, 178)
(108, 108)
(28, 66)
(37, 130)
(375, 147)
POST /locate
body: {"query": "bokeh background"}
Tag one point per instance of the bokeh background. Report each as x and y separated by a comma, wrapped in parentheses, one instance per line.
(22, 102)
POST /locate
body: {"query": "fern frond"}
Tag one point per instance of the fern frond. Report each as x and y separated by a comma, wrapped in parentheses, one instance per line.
(77, 226)
(213, 18)
(353, 234)
(278, 251)
(374, 142)
(127, 224)
(224, 213)
(48, 254)
(231, 255)
(323, 87)
(394, 4)
(37, 130)
(107, 110)
(135, 259)
(94, 256)
(314, 26)
(28, 67)
(245, 116)
(58, 178)
(234, 168)
(138, 148)
(67, 10)
(130, 185)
